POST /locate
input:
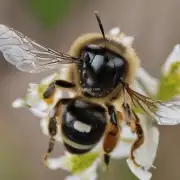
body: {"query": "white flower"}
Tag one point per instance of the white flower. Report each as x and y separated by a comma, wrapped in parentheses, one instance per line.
(34, 97)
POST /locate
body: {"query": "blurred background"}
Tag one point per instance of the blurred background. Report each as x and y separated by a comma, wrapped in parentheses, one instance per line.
(56, 23)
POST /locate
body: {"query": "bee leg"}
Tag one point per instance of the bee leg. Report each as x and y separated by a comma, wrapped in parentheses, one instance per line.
(112, 135)
(53, 126)
(136, 127)
(133, 121)
(52, 132)
(50, 91)
(107, 158)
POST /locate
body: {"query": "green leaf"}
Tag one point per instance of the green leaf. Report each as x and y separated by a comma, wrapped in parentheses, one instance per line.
(170, 83)
(82, 162)
(49, 12)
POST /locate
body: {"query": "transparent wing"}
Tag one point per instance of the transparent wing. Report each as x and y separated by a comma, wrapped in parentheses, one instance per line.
(163, 113)
(27, 55)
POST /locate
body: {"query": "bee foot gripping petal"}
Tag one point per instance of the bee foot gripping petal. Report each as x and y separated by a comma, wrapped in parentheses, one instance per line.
(145, 154)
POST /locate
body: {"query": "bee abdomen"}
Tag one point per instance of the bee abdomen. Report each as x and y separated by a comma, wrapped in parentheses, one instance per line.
(82, 127)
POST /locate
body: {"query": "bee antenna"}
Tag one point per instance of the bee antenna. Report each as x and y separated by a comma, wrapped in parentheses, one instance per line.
(100, 23)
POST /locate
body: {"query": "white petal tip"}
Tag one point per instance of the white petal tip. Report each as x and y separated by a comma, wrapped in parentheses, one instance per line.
(128, 40)
(115, 31)
(139, 172)
(18, 103)
(177, 47)
(33, 85)
(58, 163)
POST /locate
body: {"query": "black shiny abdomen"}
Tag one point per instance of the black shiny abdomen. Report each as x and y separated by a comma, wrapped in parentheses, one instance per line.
(90, 114)
(101, 71)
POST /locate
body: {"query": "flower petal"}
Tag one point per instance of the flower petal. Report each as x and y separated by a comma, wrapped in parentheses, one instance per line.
(33, 86)
(127, 134)
(114, 31)
(146, 154)
(62, 162)
(122, 150)
(144, 83)
(172, 58)
(138, 171)
(38, 113)
(18, 103)
(124, 146)
(127, 40)
(40, 105)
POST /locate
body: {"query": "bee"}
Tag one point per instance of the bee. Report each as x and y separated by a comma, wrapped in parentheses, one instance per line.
(100, 71)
